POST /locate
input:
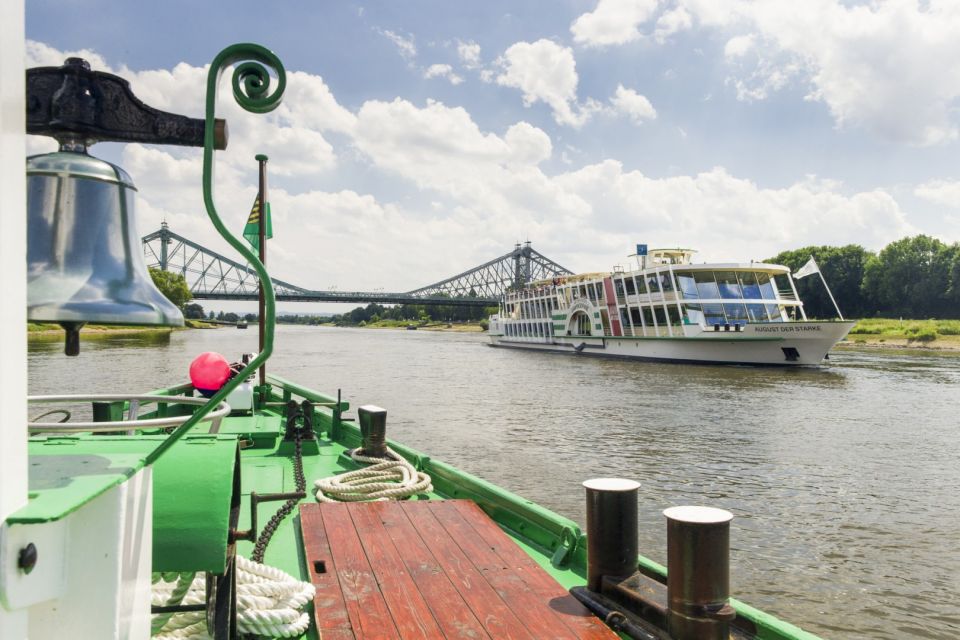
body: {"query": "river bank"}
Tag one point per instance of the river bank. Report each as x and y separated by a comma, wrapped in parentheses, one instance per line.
(41, 330)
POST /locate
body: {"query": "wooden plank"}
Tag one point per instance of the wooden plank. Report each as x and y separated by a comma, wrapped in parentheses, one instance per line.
(574, 614)
(330, 615)
(369, 615)
(495, 615)
(410, 612)
(449, 609)
(534, 611)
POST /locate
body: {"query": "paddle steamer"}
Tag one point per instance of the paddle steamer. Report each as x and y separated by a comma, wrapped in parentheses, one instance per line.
(669, 309)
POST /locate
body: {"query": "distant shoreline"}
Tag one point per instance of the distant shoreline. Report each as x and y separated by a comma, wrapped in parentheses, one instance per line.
(50, 330)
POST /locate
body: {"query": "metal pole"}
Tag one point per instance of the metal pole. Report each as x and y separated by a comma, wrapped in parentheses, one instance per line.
(262, 197)
(829, 293)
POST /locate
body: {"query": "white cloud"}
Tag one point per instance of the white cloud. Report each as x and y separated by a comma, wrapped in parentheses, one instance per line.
(469, 53)
(633, 104)
(890, 66)
(465, 193)
(442, 71)
(672, 22)
(545, 72)
(942, 192)
(739, 46)
(612, 22)
(405, 45)
(756, 222)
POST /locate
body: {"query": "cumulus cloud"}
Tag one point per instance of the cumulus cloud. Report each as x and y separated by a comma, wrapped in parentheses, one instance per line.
(631, 103)
(757, 222)
(465, 193)
(671, 22)
(890, 66)
(469, 53)
(545, 72)
(942, 192)
(442, 71)
(613, 22)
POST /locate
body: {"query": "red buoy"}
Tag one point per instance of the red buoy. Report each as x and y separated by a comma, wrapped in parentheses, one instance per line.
(208, 372)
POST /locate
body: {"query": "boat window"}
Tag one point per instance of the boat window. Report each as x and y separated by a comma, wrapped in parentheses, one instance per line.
(694, 313)
(661, 319)
(631, 290)
(775, 312)
(756, 313)
(618, 285)
(687, 284)
(641, 285)
(736, 312)
(674, 315)
(713, 314)
(749, 285)
(666, 281)
(635, 316)
(647, 316)
(706, 285)
(766, 284)
(729, 285)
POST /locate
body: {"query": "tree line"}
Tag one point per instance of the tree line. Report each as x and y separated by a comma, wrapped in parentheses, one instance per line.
(374, 312)
(915, 277)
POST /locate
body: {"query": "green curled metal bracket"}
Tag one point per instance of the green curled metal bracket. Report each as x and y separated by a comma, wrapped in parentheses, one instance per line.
(251, 90)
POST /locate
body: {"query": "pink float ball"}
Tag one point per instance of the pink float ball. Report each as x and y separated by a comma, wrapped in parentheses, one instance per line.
(208, 372)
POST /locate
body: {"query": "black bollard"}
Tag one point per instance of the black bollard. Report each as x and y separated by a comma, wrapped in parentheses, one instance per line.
(611, 529)
(698, 573)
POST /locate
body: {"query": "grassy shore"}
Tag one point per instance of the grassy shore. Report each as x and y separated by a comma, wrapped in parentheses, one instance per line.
(882, 333)
(458, 327)
(41, 329)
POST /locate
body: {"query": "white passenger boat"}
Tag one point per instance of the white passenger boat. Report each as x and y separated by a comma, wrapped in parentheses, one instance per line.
(669, 309)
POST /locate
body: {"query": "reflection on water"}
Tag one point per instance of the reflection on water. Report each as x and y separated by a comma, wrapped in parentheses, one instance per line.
(843, 479)
(53, 342)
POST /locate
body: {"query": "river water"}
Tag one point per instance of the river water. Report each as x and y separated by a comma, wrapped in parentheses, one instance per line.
(844, 480)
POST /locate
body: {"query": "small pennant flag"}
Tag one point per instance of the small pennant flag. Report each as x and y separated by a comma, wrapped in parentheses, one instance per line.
(808, 269)
(252, 229)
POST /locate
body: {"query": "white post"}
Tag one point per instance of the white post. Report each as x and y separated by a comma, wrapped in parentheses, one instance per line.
(829, 293)
(796, 296)
(13, 261)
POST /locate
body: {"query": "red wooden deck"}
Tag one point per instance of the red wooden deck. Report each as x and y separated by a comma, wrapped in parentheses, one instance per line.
(430, 569)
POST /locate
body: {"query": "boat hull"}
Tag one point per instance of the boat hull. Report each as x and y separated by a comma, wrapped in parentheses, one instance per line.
(782, 344)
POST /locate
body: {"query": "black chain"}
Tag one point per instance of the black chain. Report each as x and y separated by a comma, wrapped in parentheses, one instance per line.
(271, 527)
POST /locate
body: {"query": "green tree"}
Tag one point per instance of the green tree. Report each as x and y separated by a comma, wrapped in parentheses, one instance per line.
(842, 267)
(172, 285)
(912, 277)
(193, 311)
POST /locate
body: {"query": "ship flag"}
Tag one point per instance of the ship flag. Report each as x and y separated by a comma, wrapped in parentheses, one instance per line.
(807, 270)
(252, 229)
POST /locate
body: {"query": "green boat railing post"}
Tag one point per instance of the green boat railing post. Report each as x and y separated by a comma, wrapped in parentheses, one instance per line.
(251, 83)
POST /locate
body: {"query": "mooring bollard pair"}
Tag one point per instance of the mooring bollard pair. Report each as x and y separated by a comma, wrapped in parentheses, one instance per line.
(698, 557)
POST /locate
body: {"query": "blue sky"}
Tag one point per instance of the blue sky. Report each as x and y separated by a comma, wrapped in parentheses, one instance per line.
(420, 138)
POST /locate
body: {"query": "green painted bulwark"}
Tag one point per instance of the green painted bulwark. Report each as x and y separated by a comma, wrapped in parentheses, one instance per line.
(192, 490)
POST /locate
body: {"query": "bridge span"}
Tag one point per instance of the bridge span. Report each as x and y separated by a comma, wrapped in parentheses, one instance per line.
(212, 276)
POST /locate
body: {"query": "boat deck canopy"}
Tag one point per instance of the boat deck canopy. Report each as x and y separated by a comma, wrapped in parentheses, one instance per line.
(430, 569)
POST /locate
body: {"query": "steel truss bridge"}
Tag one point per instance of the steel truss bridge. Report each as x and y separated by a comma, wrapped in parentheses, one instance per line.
(212, 276)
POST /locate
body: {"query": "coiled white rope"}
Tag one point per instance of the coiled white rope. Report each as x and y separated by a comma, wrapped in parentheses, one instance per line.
(383, 480)
(269, 603)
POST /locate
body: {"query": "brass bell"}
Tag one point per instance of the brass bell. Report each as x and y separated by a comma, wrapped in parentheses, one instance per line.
(84, 255)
